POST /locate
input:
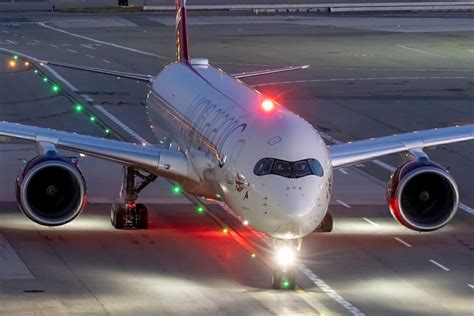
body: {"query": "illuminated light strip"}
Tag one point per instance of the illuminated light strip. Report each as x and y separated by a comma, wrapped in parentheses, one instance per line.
(122, 125)
(439, 265)
(43, 24)
(323, 286)
(370, 222)
(343, 203)
(421, 51)
(471, 286)
(391, 168)
(403, 242)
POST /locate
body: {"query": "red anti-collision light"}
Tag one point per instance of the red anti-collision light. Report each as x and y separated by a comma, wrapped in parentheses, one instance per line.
(268, 105)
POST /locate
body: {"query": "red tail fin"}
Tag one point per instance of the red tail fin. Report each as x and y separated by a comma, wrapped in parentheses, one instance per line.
(181, 32)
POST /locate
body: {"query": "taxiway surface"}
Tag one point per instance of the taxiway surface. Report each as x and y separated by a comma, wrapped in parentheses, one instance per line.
(369, 77)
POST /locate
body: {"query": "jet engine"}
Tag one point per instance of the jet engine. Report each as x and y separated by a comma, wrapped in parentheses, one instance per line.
(422, 195)
(51, 190)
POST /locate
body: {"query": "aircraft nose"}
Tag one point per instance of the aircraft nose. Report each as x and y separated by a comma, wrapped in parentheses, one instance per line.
(298, 211)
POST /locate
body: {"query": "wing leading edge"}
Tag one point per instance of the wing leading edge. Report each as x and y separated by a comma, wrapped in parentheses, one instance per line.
(352, 153)
(163, 162)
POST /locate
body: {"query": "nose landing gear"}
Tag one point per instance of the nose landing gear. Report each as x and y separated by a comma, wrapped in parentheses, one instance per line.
(130, 215)
(283, 277)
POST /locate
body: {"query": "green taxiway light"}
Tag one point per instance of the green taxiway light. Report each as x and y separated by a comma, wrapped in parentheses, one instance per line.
(92, 118)
(107, 131)
(45, 79)
(36, 71)
(78, 107)
(225, 230)
(176, 189)
(15, 57)
(218, 196)
(55, 88)
(200, 209)
(285, 283)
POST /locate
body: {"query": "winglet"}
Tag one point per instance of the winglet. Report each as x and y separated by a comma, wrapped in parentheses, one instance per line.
(182, 55)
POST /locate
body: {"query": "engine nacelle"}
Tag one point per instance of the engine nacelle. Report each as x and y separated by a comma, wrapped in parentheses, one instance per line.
(51, 190)
(422, 195)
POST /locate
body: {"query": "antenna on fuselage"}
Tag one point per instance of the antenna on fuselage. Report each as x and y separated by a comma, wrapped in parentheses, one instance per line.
(182, 55)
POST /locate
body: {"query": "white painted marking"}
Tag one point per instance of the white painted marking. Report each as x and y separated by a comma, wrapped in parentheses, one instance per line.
(421, 51)
(87, 98)
(466, 208)
(43, 24)
(370, 222)
(343, 171)
(439, 265)
(11, 266)
(471, 286)
(359, 79)
(6, 32)
(106, 61)
(72, 51)
(11, 42)
(36, 41)
(343, 203)
(52, 45)
(384, 165)
(323, 286)
(90, 56)
(122, 125)
(89, 46)
(403, 242)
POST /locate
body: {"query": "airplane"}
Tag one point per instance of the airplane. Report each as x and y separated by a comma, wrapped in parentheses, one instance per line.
(233, 143)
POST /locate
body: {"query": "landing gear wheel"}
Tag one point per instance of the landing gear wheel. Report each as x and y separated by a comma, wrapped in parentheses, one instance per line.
(130, 215)
(283, 280)
(141, 213)
(117, 216)
(123, 218)
(327, 223)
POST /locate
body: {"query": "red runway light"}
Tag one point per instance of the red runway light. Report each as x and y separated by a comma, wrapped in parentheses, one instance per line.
(268, 105)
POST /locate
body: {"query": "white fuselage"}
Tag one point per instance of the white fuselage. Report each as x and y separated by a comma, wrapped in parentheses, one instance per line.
(219, 123)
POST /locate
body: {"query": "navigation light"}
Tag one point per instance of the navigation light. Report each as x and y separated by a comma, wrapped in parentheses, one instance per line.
(268, 105)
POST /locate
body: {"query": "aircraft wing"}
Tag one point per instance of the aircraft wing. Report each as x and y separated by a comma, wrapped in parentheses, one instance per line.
(168, 163)
(267, 71)
(128, 75)
(359, 151)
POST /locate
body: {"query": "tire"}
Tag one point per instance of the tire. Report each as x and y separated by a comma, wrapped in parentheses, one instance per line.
(117, 216)
(327, 223)
(142, 216)
(276, 280)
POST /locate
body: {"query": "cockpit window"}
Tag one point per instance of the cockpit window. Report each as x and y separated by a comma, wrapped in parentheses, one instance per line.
(263, 166)
(287, 169)
(282, 168)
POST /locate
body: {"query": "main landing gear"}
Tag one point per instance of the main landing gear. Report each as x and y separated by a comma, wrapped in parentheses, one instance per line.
(283, 277)
(130, 215)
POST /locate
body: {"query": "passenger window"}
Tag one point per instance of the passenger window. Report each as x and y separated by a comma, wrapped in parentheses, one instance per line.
(282, 168)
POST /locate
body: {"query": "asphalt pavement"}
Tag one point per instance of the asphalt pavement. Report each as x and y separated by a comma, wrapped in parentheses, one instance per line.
(368, 77)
